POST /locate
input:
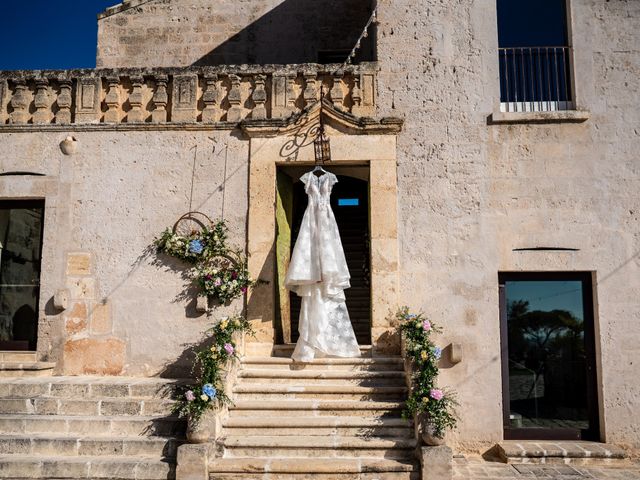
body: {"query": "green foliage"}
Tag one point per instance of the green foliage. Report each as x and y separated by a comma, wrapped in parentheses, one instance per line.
(220, 272)
(209, 368)
(425, 397)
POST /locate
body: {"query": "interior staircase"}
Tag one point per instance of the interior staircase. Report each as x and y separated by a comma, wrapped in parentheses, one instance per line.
(87, 427)
(330, 419)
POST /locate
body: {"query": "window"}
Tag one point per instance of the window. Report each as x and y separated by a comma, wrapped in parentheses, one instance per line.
(534, 56)
(548, 356)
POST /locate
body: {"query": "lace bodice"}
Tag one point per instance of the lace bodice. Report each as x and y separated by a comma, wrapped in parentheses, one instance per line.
(318, 188)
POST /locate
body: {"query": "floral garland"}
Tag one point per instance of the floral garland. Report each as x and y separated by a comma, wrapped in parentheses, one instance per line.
(220, 272)
(437, 404)
(208, 368)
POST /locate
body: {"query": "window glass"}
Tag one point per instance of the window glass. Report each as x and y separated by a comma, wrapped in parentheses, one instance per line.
(533, 23)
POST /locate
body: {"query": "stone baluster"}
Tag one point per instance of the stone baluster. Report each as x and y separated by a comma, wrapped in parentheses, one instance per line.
(291, 92)
(63, 115)
(337, 95)
(160, 100)
(210, 98)
(310, 93)
(41, 102)
(20, 103)
(112, 100)
(259, 97)
(235, 99)
(136, 114)
(4, 93)
(356, 96)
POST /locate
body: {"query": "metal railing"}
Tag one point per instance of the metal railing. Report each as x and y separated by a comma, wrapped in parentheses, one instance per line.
(535, 79)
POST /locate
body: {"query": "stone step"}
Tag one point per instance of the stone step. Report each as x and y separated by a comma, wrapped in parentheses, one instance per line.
(322, 426)
(83, 387)
(43, 444)
(93, 425)
(266, 392)
(18, 356)
(25, 369)
(287, 349)
(320, 377)
(102, 467)
(314, 408)
(348, 364)
(315, 446)
(85, 406)
(315, 468)
(559, 451)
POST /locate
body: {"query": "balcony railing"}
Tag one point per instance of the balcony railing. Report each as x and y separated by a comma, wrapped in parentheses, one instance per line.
(535, 79)
(224, 95)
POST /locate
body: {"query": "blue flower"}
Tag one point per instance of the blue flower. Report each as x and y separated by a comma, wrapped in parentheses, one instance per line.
(437, 352)
(209, 391)
(411, 315)
(195, 246)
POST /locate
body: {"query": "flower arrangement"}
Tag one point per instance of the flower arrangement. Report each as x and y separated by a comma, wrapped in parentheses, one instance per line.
(426, 397)
(219, 271)
(208, 369)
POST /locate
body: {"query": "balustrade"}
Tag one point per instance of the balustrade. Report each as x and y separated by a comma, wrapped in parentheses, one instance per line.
(192, 95)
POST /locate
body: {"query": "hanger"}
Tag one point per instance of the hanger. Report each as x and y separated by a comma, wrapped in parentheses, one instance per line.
(318, 170)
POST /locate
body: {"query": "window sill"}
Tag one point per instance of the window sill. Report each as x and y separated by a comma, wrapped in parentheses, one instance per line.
(558, 116)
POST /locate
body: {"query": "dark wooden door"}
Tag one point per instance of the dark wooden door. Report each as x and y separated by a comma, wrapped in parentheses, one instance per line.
(350, 204)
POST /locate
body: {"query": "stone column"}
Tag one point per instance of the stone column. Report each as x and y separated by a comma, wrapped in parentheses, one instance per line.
(136, 114)
(259, 97)
(20, 103)
(41, 102)
(63, 115)
(235, 99)
(210, 98)
(160, 100)
(4, 93)
(112, 100)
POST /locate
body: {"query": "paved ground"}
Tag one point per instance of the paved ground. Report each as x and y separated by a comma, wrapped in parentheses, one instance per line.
(477, 469)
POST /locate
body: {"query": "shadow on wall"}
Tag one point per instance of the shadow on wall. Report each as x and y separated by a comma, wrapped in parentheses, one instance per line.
(300, 31)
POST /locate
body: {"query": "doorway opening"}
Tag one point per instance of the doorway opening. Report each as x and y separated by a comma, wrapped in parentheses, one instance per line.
(350, 205)
(21, 227)
(548, 356)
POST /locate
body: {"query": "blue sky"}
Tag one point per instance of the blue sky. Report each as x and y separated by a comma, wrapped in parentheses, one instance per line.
(548, 295)
(39, 34)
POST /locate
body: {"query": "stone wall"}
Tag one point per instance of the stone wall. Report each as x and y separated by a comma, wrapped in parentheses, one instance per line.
(206, 32)
(470, 192)
(130, 311)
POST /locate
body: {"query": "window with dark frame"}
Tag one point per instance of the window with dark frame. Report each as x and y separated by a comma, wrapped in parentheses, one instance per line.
(534, 56)
(548, 356)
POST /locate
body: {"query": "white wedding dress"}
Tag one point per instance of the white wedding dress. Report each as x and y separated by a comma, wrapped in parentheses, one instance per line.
(318, 273)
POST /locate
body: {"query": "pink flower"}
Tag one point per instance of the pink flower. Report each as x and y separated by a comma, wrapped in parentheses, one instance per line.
(426, 325)
(218, 282)
(189, 396)
(436, 394)
(244, 289)
(229, 348)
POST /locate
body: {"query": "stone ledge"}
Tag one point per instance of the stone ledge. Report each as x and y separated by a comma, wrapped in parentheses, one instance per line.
(563, 116)
(515, 451)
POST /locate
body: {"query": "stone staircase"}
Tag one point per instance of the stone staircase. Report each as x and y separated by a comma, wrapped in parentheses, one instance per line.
(329, 419)
(87, 427)
(23, 364)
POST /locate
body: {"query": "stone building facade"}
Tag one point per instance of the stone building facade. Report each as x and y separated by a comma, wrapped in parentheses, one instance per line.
(460, 190)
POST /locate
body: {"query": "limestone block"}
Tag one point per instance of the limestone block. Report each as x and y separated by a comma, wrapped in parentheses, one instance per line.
(79, 264)
(61, 299)
(436, 463)
(92, 356)
(184, 96)
(202, 304)
(193, 463)
(101, 319)
(81, 288)
(88, 91)
(385, 340)
(76, 320)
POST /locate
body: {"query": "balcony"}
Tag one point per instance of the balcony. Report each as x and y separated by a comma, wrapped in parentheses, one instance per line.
(172, 97)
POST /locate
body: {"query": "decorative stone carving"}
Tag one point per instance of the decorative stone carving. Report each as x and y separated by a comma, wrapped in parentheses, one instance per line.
(310, 93)
(88, 100)
(160, 100)
(367, 83)
(259, 97)
(356, 96)
(279, 95)
(69, 145)
(4, 93)
(235, 99)
(61, 299)
(184, 99)
(41, 102)
(337, 95)
(136, 114)
(20, 103)
(291, 93)
(210, 112)
(112, 100)
(63, 115)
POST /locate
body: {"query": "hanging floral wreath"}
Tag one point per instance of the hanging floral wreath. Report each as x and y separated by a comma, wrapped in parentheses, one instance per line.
(219, 271)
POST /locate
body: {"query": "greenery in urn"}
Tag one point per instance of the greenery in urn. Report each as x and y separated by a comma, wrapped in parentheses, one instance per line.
(437, 404)
(209, 369)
